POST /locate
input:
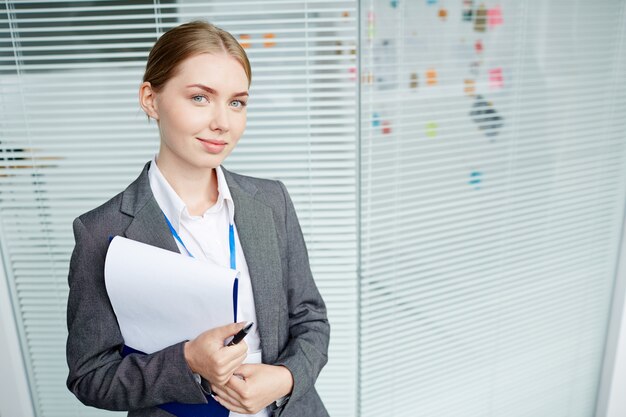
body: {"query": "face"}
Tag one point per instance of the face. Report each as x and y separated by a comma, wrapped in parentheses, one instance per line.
(201, 111)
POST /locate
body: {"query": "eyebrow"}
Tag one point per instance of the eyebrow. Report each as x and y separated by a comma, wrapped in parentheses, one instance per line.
(212, 91)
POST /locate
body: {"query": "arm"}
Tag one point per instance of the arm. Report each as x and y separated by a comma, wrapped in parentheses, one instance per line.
(300, 362)
(306, 352)
(98, 375)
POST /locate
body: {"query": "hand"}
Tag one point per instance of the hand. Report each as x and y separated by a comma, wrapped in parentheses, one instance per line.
(207, 355)
(254, 387)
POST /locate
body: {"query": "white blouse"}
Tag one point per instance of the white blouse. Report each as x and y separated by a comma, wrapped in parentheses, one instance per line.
(207, 239)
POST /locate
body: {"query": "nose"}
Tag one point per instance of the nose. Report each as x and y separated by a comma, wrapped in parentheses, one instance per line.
(219, 119)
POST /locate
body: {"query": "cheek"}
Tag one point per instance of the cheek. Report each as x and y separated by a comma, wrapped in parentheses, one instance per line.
(240, 123)
(185, 120)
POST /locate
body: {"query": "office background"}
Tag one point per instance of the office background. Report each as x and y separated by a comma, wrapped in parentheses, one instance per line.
(458, 168)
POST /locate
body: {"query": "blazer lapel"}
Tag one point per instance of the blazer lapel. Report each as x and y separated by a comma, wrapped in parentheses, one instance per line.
(148, 224)
(257, 234)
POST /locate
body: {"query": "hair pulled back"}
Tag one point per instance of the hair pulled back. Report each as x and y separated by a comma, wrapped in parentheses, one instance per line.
(185, 41)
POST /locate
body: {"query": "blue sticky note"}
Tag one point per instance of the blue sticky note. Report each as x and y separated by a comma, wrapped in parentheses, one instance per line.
(375, 120)
(475, 179)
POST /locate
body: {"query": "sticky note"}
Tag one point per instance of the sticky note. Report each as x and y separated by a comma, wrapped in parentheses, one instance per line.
(345, 14)
(414, 81)
(476, 177)
(486, 117)
(443, 13)
(470, 87)
(367, 78)
(352, 71)
(468, 10)
(431, 2)
(244, 37)
(496, 80)
(478, 46)
(480, 21)
(431, 77)
(375, 120)
(386, 127)
(431, 129)
(394, 3)
(494, 16)
(270, 43)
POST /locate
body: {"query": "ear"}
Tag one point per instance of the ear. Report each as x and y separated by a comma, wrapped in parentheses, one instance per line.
(147, 100)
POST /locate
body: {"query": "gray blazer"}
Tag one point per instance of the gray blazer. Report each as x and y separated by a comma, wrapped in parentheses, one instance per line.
(290, 312)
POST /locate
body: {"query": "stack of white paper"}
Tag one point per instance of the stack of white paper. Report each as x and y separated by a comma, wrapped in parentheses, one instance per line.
(161, 297)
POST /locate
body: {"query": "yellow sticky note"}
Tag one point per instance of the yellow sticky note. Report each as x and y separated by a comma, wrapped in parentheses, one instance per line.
(244, 37)
(480, 21)
(431, 77)
(269, 44)
(470, 87)
(431, 129)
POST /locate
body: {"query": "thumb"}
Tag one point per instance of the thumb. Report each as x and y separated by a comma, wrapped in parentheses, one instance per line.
(230, 329)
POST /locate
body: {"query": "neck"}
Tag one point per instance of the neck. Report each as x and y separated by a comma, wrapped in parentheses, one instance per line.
(196, 187)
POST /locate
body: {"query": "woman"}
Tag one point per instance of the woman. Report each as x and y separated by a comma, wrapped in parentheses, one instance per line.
(196, 88)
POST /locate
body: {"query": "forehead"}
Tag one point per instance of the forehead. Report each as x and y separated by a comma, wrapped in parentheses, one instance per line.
(219, 71)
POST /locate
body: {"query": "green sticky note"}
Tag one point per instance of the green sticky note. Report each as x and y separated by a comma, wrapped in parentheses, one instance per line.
(431, 129)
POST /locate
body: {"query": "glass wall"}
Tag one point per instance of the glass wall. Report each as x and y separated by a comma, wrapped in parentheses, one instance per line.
(493, 152)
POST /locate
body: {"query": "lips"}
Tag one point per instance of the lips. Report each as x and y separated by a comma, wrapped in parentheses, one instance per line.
(212, 141)
(212, 146)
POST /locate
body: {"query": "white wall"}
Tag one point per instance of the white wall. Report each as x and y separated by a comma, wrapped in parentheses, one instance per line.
(15, 398)
(611, 398)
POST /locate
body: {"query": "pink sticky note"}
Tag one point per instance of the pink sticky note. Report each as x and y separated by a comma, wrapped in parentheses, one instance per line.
(478, 46)
(352, 71)
(494, 16)
(386, 127)
(496, 80)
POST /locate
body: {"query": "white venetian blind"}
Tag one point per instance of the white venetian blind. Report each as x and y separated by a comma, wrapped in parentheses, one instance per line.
(493, 175)
(72, 135)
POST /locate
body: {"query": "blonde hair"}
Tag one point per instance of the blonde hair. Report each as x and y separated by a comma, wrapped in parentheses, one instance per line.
(187, 40)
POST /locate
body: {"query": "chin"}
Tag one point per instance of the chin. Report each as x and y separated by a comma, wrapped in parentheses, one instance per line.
(213, 162)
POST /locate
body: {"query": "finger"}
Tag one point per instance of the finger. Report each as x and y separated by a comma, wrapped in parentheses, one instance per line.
(233, 363)
(232, 395)
(235, 350)
(230, 406)
(229, 329)
(232, 360)
(237, 385)
(226, 396)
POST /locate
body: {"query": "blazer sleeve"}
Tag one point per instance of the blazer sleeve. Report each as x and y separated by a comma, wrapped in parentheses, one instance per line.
(306, 352)
(98, 375)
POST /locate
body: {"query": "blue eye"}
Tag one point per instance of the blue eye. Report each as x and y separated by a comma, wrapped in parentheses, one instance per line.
(198, 99)
(241, 103)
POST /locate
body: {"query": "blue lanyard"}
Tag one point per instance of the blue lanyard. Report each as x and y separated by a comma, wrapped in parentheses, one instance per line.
(233, 263)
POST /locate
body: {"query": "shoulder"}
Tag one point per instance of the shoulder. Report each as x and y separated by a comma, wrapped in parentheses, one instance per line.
(118, 211)
(263, 185)
(268, 191)
(96, 227)
(102, 213)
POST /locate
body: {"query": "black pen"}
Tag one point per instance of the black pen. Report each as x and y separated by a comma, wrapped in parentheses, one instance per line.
(241, 334)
